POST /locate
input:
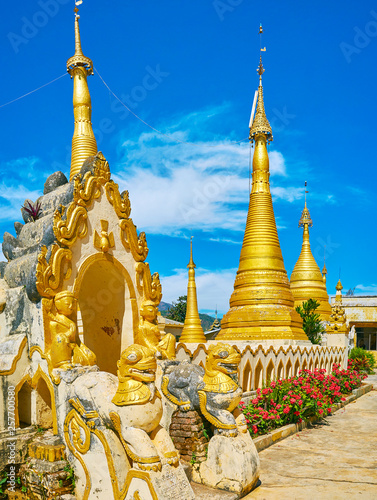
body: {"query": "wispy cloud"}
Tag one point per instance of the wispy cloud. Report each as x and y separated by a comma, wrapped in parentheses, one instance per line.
(213, 288)
(22, 179)
(201, 186)
(367, 289)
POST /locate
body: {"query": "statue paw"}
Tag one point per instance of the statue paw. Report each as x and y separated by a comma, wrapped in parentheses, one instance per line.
(172, 458)
(155, 466)
(186, 406)
(227, 432)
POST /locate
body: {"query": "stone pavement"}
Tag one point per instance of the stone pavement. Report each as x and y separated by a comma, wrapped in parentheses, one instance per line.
(335, 460)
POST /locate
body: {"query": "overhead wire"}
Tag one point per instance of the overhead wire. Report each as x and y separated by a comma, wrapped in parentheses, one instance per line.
(32, 91)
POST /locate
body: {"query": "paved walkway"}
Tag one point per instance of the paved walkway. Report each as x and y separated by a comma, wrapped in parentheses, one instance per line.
(336, 460)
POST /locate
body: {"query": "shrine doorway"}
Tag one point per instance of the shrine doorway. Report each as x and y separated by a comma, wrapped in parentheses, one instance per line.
(107, 309)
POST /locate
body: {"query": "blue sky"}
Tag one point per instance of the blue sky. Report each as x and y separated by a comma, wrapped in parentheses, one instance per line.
(188, 68)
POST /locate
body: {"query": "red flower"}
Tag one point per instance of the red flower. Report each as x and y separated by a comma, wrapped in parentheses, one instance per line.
(286, 409)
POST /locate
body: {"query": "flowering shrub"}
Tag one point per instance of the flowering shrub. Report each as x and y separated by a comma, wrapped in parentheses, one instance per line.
(310, 394)
(361, 360)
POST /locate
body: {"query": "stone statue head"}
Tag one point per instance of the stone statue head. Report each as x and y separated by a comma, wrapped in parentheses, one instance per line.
(223, 358)
(137, 362)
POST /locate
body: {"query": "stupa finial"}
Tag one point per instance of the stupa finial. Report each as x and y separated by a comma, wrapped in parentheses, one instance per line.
(260, 123)
(305, 220)
(79, 67)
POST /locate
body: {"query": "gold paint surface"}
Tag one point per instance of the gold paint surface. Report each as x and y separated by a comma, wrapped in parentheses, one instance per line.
(306, 279)
(262, 304)
(83, 141)
(192, 330)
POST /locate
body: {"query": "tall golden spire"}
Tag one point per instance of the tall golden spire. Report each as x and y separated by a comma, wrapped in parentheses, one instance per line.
(306, 279)
(261, 305)
(192, 330)
(83, 141)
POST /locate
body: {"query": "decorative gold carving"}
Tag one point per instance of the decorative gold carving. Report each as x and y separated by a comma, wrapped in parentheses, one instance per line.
(72, 425)
(86, 190)
(260, 123)
(50, 453)
(120, 202)
(141, 461)
(73, 226)
(106, 240)
(50, 275)
(149, 286)
(131, 241)
(101, 168)
(149, 334)
(136, 367)
(133, 473)
(76, 403)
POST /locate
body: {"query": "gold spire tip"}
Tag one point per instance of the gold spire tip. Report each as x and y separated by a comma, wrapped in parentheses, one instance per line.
(260, 123)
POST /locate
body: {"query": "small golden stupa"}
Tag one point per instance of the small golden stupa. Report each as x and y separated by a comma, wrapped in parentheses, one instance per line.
(83, 141)
(192, 330)
(307, 281)
(261, 305)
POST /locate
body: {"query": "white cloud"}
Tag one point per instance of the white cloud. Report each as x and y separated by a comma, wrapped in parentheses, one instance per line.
(214, 288)
(368, 289)
(202, 186)
(14, 197)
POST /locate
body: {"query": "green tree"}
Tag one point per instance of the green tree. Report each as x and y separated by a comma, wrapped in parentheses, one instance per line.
(177, 311)
(311, 320)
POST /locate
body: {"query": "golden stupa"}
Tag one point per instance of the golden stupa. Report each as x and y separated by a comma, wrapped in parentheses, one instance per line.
(83, 141)
(307, 281)
(192, 329)
(261, 305)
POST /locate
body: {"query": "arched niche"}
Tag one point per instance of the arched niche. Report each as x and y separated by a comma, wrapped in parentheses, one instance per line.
(288, 369)
(23, 403)
(246, 381)
(43, 405)
(270, 371)
(280, 372)
(297, 367)
(258, 375)
(108, 309)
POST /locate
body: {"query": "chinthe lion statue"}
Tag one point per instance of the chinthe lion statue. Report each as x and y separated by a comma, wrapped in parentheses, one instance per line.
(214, 391)
(131, 406)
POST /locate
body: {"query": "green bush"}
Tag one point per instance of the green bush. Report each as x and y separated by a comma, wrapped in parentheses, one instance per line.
(361, 360)
(312, 324)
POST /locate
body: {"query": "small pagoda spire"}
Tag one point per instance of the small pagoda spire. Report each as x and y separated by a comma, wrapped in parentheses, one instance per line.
(306, 279)
(324, 269)
(339, 288)
(216, 324)
(192, 329)
(83, 141)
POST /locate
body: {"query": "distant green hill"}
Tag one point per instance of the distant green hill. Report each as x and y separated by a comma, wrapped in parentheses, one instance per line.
(205, 318)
